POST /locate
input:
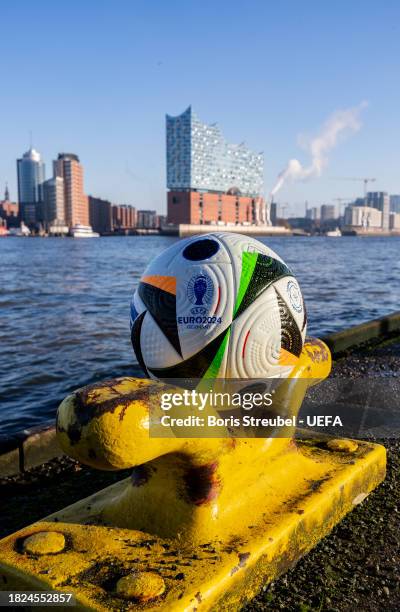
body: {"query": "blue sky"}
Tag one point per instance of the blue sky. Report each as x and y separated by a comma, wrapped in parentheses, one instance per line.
(97, 77)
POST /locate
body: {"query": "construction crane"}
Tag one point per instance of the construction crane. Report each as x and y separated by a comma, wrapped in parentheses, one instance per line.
(364, 180)
(283, 207)
(342, 201)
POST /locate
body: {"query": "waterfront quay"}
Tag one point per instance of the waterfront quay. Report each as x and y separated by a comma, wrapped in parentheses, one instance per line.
(356, 566)
(184, 230)
(211, 185)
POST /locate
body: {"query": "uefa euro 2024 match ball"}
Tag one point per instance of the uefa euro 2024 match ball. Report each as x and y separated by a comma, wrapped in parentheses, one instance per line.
(221, 305)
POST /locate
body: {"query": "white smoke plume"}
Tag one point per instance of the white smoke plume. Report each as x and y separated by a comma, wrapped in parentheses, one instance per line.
(336, 126)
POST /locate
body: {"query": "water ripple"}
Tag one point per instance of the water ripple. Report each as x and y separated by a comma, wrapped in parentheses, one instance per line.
(64, 307)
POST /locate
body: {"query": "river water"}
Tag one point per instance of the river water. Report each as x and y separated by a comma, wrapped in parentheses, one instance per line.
(64, 306)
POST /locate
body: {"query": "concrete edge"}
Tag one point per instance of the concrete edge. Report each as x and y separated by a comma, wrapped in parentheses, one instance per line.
(32, 447)
(27, 449)
(341, 341)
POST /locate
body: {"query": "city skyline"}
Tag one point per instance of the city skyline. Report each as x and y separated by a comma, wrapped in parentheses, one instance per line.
(46, 188)
(108, 101)
(39, 177)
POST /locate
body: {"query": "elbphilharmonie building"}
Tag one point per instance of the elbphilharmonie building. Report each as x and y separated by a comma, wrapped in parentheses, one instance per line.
(199, 157)
(210, 180)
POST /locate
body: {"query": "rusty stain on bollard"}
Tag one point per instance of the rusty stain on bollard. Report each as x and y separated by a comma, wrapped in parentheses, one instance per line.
(343, 446)
(44, 543)
(141, 586)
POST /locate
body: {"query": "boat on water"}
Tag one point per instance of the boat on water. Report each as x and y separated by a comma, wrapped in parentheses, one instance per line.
(334, 233)
(300, 232)
(83, 231)
(22, 230)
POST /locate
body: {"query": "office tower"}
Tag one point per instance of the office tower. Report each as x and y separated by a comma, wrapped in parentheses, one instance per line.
(100, 215)
(274, 212)
(395, 203)
(54, 202)
(68, 167)
(376, 199)
(210, 180)
(312, 213)
(30, 175)
(380, 200)
(328, 212)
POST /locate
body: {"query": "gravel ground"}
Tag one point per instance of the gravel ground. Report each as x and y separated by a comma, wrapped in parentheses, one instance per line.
(355, 568)
(28, 497)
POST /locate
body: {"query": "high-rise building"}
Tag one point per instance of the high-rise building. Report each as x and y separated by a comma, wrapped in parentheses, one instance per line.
(380, 201)
(273, 212)
(68, 167)
(54, 202)
(395, 203)
(100, 215)
(210, 180)
(312, 213)
(376, 199)
(31, 175)
(328, 212)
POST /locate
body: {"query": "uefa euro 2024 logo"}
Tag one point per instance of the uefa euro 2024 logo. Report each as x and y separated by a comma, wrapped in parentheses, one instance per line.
(200, 291)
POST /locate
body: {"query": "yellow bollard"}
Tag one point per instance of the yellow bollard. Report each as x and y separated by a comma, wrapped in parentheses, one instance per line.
(202, 523)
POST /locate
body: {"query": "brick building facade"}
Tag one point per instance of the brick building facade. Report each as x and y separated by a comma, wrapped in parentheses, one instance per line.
(68, 167)
(124, 217)
(9, 212)
(196, 207)
(100, 215)
(210, 180)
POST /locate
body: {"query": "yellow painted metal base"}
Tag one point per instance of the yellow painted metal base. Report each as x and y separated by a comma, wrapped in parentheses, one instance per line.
(311, 486)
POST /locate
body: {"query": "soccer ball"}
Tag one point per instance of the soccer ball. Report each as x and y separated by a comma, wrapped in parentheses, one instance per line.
(220, 305)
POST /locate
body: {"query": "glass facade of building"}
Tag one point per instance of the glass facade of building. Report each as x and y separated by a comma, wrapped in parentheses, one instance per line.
(31, 174)
(395, 203)
(53, 201)
(199, 158)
